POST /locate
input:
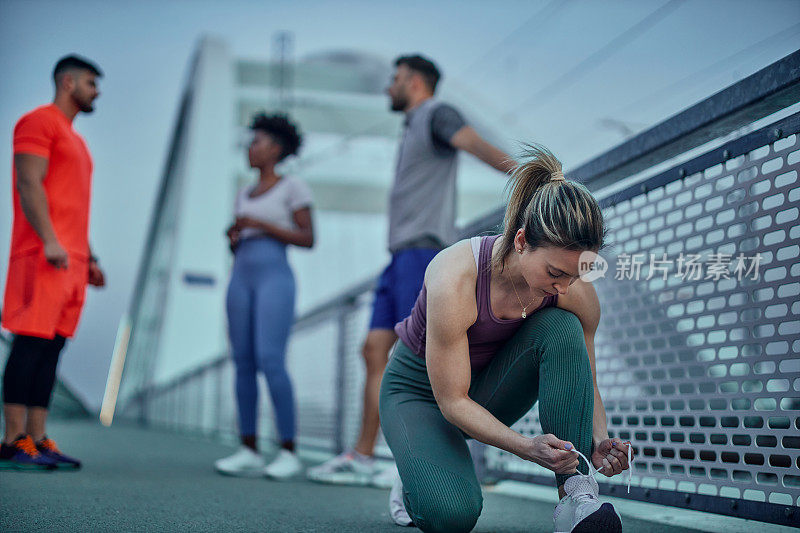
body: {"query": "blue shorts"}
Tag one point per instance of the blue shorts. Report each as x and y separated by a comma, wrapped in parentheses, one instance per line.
(399, 286)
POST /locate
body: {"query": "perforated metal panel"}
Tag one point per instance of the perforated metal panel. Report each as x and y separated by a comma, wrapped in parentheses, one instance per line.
(702, 373)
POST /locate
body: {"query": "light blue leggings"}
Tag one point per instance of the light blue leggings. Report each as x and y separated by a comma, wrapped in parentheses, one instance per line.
(260, 305)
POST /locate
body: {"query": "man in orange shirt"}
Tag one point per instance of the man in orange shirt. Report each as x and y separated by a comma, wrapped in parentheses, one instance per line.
(50, 262)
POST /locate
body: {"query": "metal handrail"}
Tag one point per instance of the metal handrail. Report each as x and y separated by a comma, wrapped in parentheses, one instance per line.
(767, 91)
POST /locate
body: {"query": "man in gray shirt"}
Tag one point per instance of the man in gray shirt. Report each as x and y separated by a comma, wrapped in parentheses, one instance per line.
(421, 223)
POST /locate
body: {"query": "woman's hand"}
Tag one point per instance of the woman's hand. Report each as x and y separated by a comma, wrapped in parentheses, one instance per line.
(550, 452)
(612, 456)
(233, 233)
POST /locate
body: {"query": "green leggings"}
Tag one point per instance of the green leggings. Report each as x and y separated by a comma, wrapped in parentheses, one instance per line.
(545, 360)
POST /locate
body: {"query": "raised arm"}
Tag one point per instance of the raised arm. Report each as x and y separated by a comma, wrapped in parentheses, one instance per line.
(450, 284)
(467, 139)
(31, 171)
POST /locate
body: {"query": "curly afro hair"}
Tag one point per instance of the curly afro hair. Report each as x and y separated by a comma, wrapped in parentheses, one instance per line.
(281, 129)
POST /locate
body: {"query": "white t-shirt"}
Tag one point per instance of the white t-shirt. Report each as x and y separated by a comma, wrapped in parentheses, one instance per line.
(276, 206)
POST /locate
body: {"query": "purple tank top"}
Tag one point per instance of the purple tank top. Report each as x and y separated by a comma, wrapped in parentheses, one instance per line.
(489, 333)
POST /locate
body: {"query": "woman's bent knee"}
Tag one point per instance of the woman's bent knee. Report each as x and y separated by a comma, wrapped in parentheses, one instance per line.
(451, 507)
(448, 516)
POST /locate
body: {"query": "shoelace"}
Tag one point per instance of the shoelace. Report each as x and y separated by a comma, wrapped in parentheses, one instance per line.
(593, 470)
(49, 444)
(27, 445)
(585, 496)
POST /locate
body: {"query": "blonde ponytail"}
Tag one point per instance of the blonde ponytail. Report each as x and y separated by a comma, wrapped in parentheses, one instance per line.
(552, 210)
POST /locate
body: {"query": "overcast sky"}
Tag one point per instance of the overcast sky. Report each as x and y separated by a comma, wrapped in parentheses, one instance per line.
(577, 76)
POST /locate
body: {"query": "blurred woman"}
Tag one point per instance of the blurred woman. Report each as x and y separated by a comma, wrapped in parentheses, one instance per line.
(270, 214)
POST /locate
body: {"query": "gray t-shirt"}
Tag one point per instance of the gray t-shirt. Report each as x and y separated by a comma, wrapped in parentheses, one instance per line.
(276, 206)
(423, 196)
(445, 122)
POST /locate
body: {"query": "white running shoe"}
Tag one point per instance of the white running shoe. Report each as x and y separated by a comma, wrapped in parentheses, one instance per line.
(244, 463)
(397, 509)
(344, 469)
(580, 511)
(284, 466)
(385, 478)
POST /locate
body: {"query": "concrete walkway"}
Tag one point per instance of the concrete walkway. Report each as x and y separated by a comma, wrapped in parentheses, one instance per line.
(143, 480)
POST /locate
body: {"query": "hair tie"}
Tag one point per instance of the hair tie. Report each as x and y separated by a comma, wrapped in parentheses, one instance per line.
(557, 176)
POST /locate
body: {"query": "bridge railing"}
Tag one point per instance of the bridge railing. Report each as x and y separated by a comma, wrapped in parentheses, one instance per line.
(697, 351)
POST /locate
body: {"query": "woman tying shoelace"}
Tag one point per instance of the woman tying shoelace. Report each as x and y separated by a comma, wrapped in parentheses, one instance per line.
(501, 322)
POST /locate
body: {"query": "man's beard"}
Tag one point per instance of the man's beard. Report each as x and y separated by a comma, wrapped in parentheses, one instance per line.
(399, 104)
(84, 106)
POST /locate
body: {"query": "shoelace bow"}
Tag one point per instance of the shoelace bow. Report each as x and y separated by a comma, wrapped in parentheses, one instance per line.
(593, 470)
(27, 445)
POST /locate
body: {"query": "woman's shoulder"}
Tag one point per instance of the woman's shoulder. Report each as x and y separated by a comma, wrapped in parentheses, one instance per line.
(450, 284)
(453, 268)
(297, 192)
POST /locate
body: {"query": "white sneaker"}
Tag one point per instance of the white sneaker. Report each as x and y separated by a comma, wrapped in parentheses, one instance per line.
(385, 478)
(284, 466)
(244, 463)
(397, 509)
(344, 469)
(580, 511)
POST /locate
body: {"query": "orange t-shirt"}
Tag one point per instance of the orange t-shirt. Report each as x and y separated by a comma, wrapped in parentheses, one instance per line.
(47, 132)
